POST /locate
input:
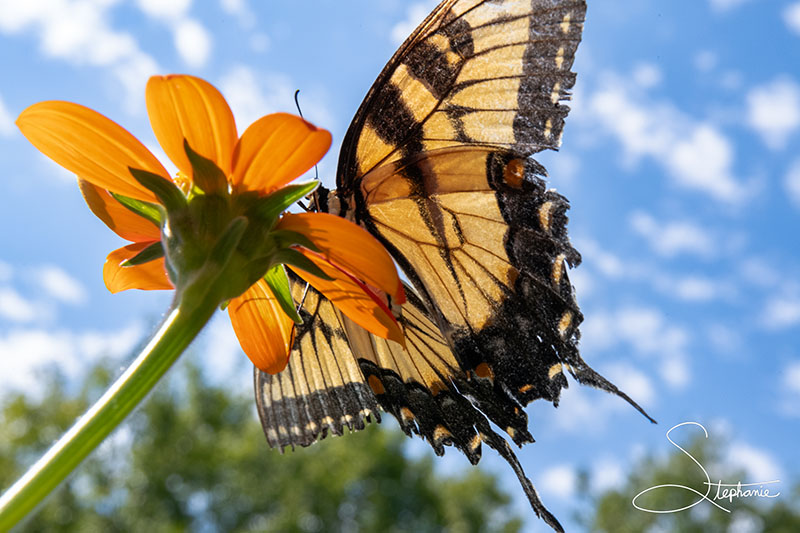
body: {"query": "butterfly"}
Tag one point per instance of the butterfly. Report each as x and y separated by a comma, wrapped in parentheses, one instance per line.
(436, 165)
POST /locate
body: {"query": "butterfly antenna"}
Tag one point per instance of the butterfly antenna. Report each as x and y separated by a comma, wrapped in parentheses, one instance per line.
(300, 112)
(297, 103)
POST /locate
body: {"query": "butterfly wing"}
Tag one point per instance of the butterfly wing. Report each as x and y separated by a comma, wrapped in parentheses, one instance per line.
(338, 373)
(322, 388)
(474, 72)
(436, 165)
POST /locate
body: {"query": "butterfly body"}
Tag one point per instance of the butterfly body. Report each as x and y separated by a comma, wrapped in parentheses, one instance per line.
(436, 165)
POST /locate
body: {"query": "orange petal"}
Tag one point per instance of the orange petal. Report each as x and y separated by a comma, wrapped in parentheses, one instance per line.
(276, 149)
(92, 146)
(264, 331)
(187, 107)
(355, 300)
(350, 247)
(121, 220)
(149, 276)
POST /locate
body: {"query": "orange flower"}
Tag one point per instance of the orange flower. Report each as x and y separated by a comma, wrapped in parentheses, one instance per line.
(272, 152)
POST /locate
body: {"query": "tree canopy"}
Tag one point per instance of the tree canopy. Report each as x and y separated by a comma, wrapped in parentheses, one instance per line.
(193, 457)
(612, 510)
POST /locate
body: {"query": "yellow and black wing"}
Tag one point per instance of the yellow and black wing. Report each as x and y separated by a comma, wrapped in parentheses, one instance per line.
(339, 374)
(322, 388)
(437, 166)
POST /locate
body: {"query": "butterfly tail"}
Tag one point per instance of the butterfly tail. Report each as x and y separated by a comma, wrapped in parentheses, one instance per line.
(502, 447)
(588, 376)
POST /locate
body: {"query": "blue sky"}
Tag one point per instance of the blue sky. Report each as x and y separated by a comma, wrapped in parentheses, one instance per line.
(681, 159)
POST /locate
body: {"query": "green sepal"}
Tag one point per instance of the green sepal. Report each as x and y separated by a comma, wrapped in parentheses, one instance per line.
(279, 285)
(151, 253)
(146, 210)
(165, 190)
(228, 241)
(272, 205)
(285, 238)
(207, 176)
(294, 258)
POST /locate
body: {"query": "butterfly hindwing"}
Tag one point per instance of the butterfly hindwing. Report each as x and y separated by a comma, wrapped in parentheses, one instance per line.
(422, 386)
(338, 373)
(322, 388)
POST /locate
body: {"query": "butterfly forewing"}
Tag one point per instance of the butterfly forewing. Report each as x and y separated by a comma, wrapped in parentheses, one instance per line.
(485, 72)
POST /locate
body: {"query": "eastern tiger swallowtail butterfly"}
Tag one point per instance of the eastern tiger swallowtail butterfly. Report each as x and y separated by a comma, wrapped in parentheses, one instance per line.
(436, 164)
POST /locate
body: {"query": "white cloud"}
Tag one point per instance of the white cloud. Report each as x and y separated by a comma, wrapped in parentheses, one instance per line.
(559, 481)
(726, 339)
(649, 334)
(791, 377)
(773, 111)
(673, 238)
(695, 154)
(15, 307)
(249, 99)
(726, 5)
(6, 272)
(225, 362)
(165, 9)
(632, 382)
(647, 75)
(792, 183)
(790, 389)
(563, 167)
(253, 94)
(193, 42)
(25, 352)
(260, 42)
(757, 271)
(705, 60)
(758, 464)
(791, 16)
(782, 311)
(583, 282)
(607, 263)
(675, 372)
(6, 122)
(731, 80)
(606, 474)
(61, 285)
(234, 7)
(703, 161)
(744, 521)
(696, 289)
(240, 10)
(415, 14)
(79, 32)
(590, 411)
(191, 39)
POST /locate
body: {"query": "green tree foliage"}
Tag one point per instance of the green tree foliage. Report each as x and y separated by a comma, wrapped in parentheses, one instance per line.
(193, 457)
(612, 510)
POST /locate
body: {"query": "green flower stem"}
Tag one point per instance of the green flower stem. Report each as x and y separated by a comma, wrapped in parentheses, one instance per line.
(189, 313)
